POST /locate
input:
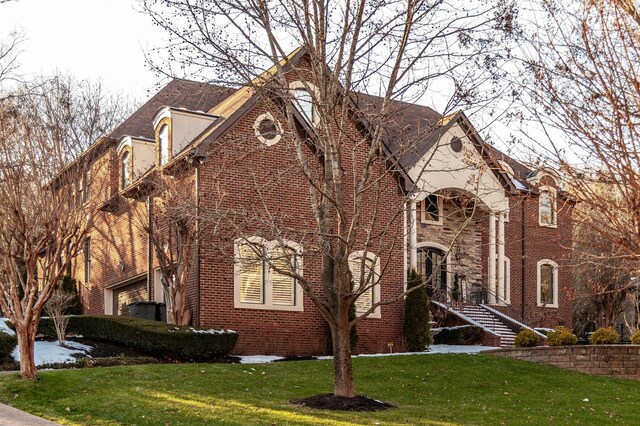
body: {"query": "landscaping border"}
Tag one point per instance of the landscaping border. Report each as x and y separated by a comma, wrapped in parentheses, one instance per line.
(621, 361)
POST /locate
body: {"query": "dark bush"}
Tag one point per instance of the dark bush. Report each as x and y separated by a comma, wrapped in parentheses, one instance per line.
(527, 339)
(69, 285)
(416, 315)
(604, 336)
(183, 343)
(561, 336)
(450, 336)
(7, 343)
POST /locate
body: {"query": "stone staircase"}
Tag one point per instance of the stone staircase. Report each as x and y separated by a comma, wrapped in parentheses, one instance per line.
(491, 321)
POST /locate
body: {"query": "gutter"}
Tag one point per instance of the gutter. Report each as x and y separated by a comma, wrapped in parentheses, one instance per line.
(197, 189)
(523, 255)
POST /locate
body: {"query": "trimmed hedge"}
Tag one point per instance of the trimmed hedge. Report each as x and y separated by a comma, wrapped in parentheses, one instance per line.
(183, 343)
(7, 343)
(635, 338)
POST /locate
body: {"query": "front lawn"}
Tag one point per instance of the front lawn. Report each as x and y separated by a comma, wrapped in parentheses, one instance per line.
(428, 389)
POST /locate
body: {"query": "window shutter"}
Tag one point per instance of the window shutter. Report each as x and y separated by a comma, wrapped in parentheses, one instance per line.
(251, 276)
(283, 286)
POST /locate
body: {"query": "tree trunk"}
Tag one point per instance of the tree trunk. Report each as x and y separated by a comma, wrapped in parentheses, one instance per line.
(26, 344)
(343, 383)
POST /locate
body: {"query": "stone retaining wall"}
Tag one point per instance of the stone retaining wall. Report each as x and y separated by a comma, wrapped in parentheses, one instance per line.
(622, 361)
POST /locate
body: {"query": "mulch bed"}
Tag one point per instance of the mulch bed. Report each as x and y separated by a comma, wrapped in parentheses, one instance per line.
(329, 401)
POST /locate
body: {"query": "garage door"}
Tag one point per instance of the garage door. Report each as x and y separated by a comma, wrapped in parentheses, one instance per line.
(122, 296)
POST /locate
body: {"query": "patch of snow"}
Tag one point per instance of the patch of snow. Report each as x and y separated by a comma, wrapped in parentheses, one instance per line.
(433, 349)
(51, 352)
(457, 327)
(258, 359)
(210, 331)
(5, 328)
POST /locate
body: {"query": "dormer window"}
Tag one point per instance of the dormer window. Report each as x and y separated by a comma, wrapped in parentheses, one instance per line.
(163, 144)
(303, 102)
(547, 207)
(126, 169)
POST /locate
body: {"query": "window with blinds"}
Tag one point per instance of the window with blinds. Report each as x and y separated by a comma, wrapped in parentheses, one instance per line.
(251, 268)
(365, 271)
(263, 272)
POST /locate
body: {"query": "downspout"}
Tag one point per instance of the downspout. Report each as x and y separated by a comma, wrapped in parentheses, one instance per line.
(522, 259)
(197, 189)
(149, 250)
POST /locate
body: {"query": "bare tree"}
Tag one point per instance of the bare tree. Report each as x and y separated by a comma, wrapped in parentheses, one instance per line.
(584, 91)
(44, 222)
(394, 50)
(56, 309)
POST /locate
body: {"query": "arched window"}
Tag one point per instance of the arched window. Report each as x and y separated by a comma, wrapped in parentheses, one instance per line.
(126, 169)
(303, 100)
(163, 145)
(365, 273)
(547, 207)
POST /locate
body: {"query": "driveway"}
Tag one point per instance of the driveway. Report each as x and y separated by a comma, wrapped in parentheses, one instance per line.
(10, 416)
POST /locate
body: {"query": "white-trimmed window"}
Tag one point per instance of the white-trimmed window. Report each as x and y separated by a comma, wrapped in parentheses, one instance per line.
(261, 278)
(126, 169)
(431, 209)
(506, 281)
(303, 100)
(163, 145)
(547, 283)
(547, 207)
(365, 272)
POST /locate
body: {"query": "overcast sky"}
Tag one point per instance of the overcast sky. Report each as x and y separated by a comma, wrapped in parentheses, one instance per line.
(91, 39)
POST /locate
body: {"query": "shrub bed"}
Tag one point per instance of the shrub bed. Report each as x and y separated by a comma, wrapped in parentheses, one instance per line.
(459, 335)
(635, 338)
(183, 343)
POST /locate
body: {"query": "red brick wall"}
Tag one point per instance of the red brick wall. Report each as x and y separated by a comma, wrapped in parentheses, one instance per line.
(263, 185)
(539, 243)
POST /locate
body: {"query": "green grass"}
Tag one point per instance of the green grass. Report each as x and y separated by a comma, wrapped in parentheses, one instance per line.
(434, 389)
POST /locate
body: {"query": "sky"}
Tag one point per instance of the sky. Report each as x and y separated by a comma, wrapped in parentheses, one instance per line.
(97, 40)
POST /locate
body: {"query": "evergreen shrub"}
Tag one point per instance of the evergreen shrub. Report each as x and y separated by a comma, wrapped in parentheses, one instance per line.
(527, 339)
(416, 315)
(604, 336)
(561, 336)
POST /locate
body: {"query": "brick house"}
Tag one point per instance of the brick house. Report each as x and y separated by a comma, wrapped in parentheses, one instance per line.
(229, 149)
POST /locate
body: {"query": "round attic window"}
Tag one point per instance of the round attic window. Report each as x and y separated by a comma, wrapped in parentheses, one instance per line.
(267, 129)
(456, 144)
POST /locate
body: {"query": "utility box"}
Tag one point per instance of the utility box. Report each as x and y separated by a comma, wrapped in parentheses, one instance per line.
(153, 311)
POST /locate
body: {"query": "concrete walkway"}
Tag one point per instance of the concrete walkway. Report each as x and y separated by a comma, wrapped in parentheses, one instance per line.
(10, 416)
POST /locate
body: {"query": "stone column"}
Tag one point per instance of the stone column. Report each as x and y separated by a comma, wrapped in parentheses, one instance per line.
(502, 293)
(492, 258)
(413, 236)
